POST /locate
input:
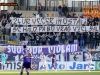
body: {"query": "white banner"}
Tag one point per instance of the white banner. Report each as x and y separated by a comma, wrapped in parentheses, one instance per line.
(59, 66)
(35, 29)
(46, 21)
(76, 56)
(15, 65)
(79, 65)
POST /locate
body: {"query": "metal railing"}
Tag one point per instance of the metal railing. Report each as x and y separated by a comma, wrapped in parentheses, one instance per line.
(48, 6)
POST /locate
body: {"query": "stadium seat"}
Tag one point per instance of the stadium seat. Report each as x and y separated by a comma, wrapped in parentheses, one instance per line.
(27, 15)
(50, 15)
(33, 17)
(93, 50)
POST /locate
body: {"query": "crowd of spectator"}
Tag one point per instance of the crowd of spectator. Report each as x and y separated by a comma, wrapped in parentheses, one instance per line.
(85, 40)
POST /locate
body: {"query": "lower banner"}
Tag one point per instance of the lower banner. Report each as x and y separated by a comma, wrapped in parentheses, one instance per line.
(97, 65)
(53, 28)
(17, 65)
(76, 56)
(59, 66)
(11, 65)
(79, 65)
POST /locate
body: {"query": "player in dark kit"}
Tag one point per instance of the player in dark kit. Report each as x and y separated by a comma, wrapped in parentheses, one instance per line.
(53, 60)
(27, 61)
(24, 53)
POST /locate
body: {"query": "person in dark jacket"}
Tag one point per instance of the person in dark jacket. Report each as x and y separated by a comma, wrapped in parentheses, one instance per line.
(88, 40)
(52, 40)
(8, 15)
(75, 38)
(18, 15)
(1, 16)
(64, 10)
(13, 14)
(97, 39)
(32, 40)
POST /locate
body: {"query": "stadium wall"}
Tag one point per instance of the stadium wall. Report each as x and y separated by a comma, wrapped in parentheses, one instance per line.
(16, 65)
(55, 13)
(65, 60)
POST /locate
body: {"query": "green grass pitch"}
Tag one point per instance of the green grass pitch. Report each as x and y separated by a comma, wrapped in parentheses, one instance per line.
(52, 73)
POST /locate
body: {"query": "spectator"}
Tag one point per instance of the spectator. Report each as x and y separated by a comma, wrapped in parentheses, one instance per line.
(39, 8)
(4, 15)
(57, 38)
(85, 39)
(8, 15)
(59, 9)
(4, 32)
(18, 15)
(81, 40)
(97, 39)
(37, 40)
(4, 21)
(32, 40)
(1, 32)
(37, 15)
(65, 10)
(7, 27)
(48, 39)
(22, 37)
(75, 38)
(13, 37)
(82, 16)
(68, 16)
(93, 40)
(92, 24)
(1, 16)
(43, 39)
(9, 20)
(13, 14)
(70, 38)
(84, 24)
(27, 38)
(75, 16)
(88, 40)
(52, 40)
(63, 38)
(11, 17)
(90, 20)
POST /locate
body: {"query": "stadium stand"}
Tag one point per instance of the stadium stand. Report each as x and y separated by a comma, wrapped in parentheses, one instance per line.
(85, 40)
(63, 33)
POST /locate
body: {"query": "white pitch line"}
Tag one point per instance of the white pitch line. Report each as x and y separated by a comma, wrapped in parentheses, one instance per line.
(51, 72)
